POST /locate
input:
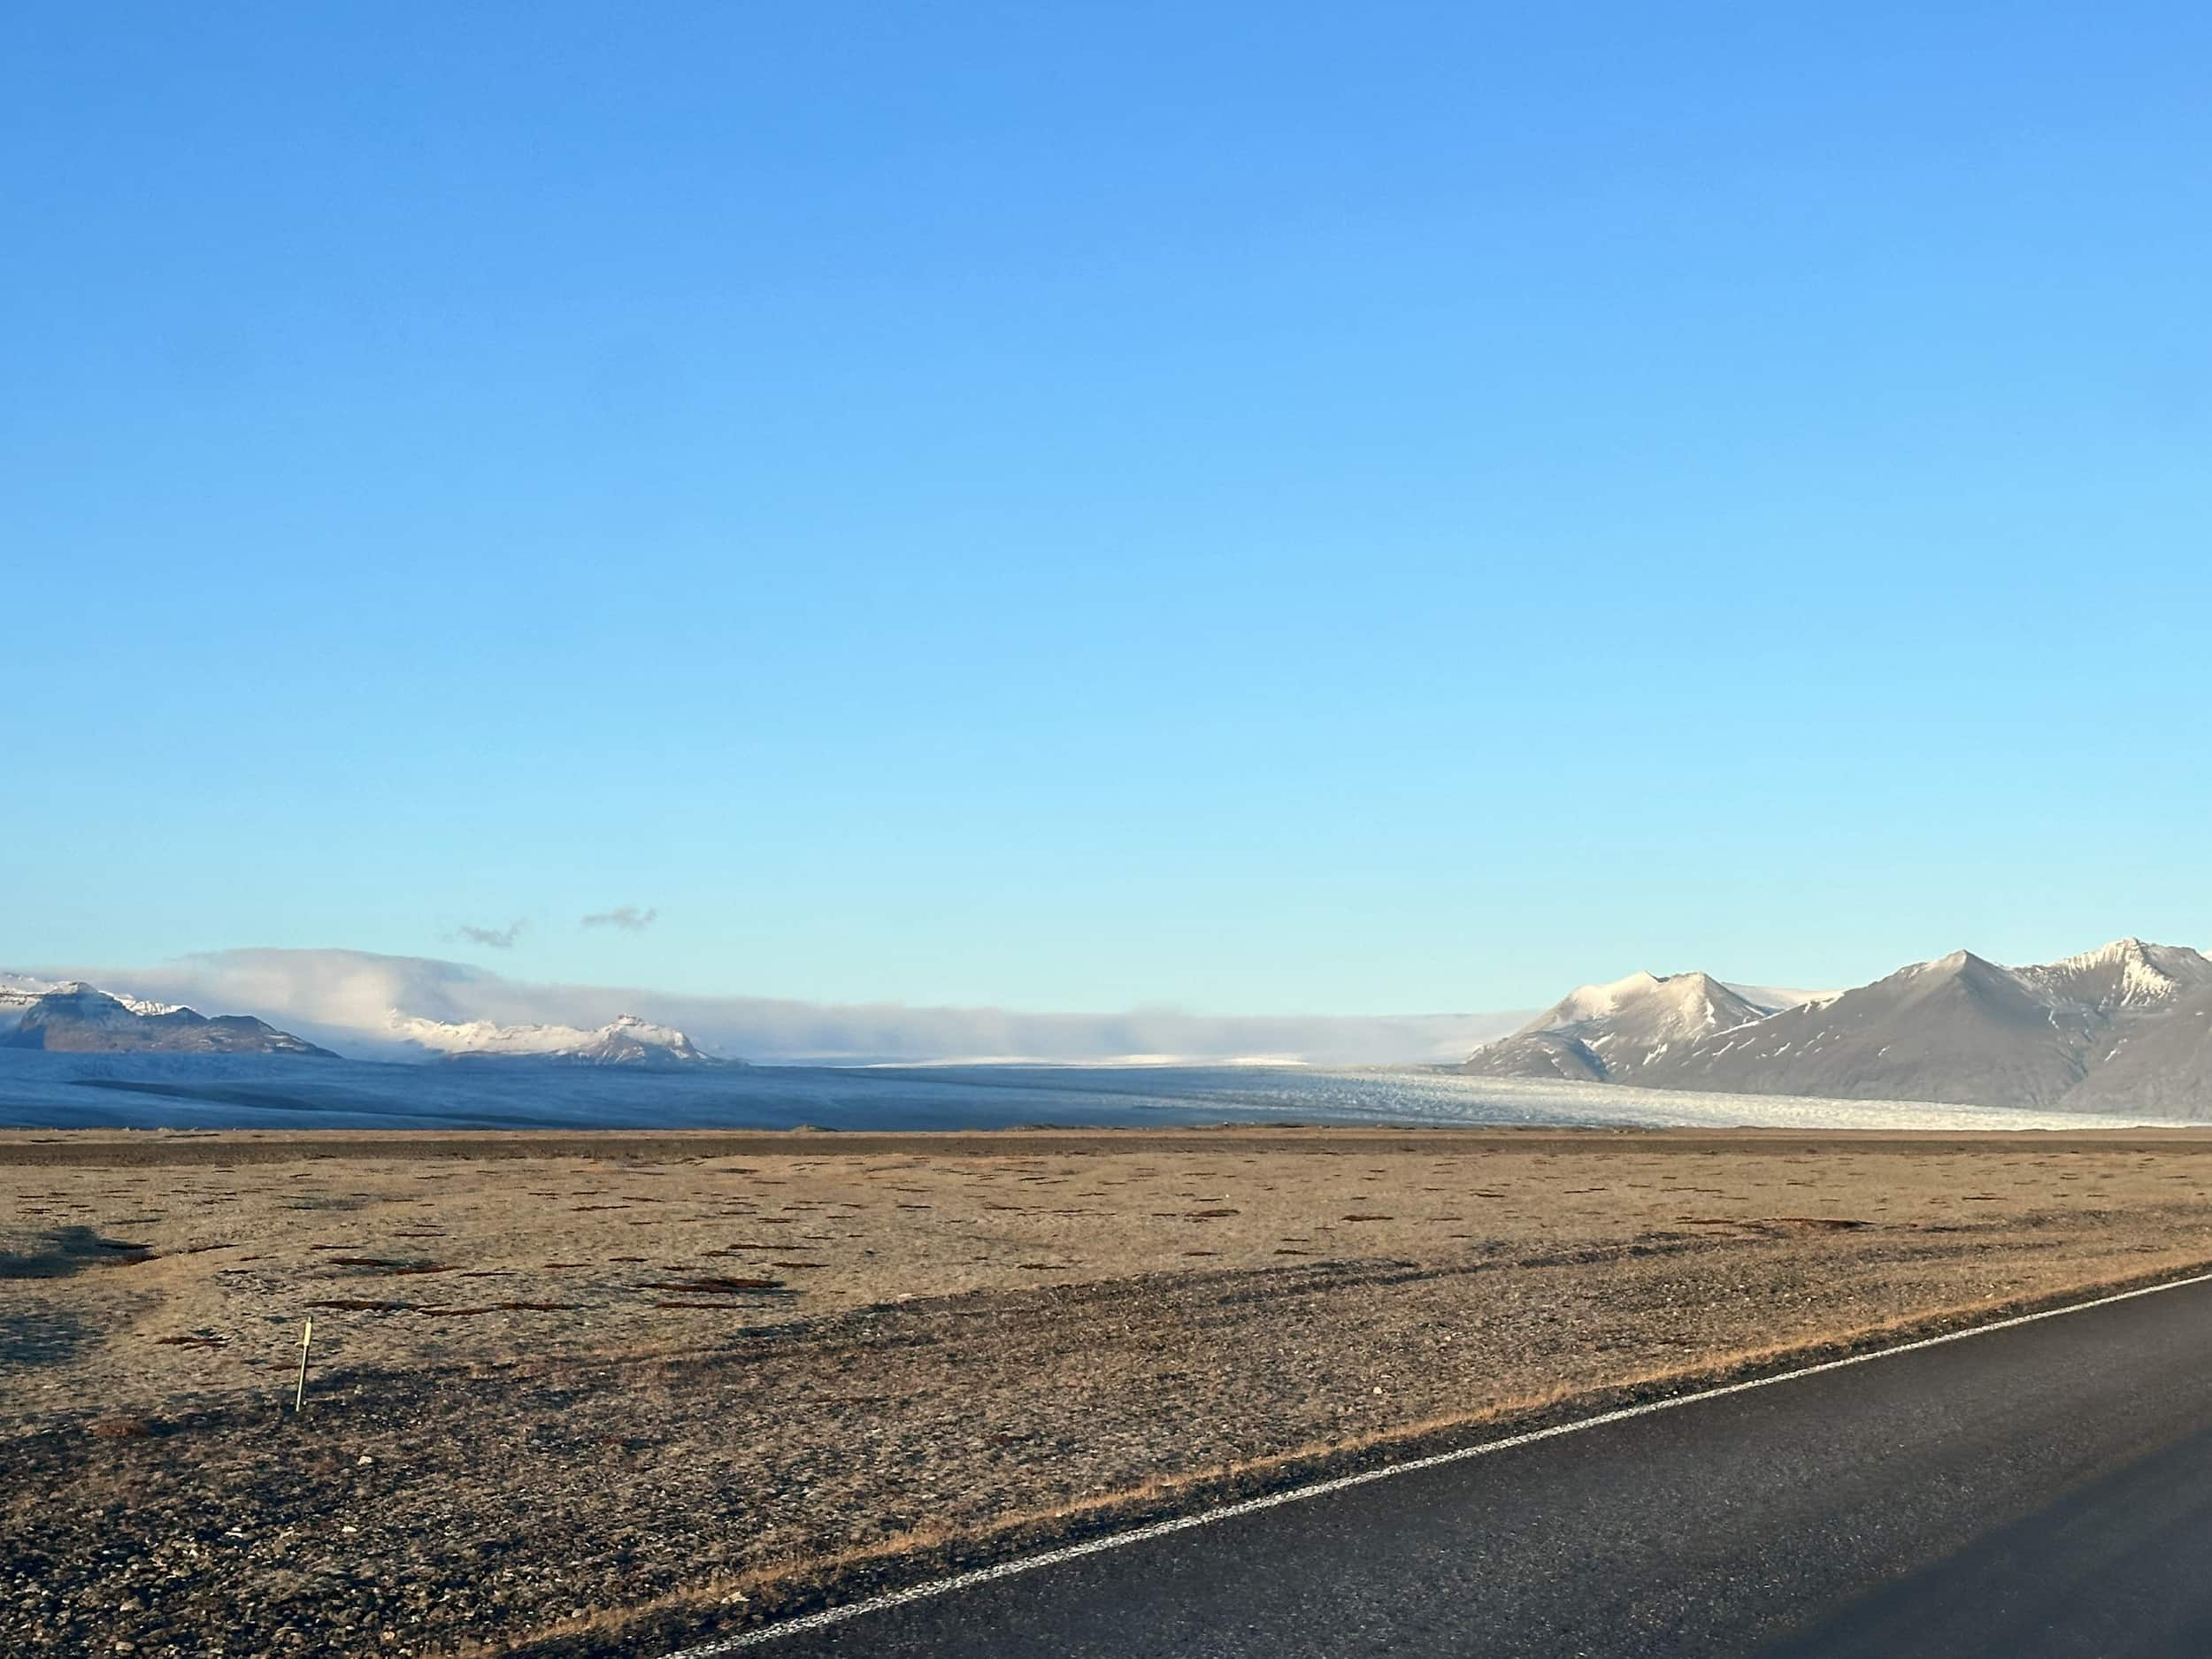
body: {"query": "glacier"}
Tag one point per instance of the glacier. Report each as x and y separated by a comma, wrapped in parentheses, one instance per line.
(40, 1090)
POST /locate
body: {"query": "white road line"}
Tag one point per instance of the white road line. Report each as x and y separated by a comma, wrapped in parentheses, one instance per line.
(1322, 1488)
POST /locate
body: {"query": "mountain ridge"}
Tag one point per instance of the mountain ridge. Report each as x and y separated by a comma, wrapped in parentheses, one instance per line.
(2127, 1025)
(72, 1017)
(1608, 1032)
(624, 1041)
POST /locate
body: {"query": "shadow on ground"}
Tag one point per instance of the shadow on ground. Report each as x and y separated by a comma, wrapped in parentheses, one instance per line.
(32, 1336)
(67, 1250)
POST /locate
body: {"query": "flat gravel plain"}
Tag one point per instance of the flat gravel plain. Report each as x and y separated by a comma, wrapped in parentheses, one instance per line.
(576, 1395)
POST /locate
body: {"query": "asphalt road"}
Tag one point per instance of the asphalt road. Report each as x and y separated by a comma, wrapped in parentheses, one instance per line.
(2044, 1490)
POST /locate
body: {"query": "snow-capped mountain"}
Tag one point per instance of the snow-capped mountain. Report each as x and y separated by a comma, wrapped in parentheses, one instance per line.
(1610, 1032)
(624, 1041)
(2127, 1027)
(70, 1016)
(19, 992)
(2126, 974)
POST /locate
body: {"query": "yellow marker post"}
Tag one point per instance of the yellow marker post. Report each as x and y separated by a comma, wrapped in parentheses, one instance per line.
(307, 1335)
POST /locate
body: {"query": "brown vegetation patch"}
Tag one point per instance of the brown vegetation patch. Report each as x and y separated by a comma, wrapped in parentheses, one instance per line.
(1839, 1223)
(383, 1264)
(711, 1285)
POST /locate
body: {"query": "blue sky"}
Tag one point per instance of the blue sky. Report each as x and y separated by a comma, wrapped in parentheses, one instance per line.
(1253, 508)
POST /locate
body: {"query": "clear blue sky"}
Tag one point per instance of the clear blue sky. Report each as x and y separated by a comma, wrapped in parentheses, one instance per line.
(1257, 507)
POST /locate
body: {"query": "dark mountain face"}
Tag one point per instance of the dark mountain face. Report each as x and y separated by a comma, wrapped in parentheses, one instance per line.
(1538, 1054)
(2160, 1066)
(78, 1019)
(2125, 1028)
(1959, 1030)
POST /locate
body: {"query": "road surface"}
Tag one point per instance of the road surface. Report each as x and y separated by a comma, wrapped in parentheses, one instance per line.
(2040, 1490)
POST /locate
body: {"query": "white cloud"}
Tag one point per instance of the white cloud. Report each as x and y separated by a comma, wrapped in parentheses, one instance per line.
(496, 937)
(343, 998)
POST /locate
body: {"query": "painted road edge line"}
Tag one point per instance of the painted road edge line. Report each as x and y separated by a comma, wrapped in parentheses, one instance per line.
(1321, 1488)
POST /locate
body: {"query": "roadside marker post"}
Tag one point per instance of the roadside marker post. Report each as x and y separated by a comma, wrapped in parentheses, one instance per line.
(307, 1335)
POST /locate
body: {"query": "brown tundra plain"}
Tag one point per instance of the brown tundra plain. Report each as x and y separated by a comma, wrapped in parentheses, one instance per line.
(590, 1394)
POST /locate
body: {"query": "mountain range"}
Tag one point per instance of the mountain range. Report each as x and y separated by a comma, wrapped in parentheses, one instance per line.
(624, 1040)
(2125, 1027)
(74, 1017)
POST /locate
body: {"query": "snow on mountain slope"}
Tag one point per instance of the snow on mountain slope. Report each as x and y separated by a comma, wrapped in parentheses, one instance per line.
(19, 992)
(1649, 1005)
(2125, 974)
(69, 1016)
(624, 1041)
(1774, 998)
(1611, 1032)
(2126, 1027)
